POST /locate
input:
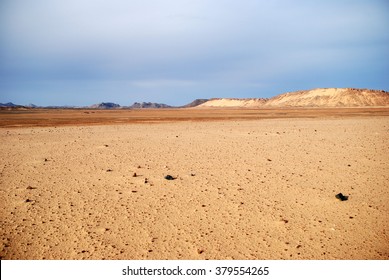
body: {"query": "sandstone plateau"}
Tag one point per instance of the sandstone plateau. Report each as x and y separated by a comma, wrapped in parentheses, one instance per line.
(331, 97)
(322, 97)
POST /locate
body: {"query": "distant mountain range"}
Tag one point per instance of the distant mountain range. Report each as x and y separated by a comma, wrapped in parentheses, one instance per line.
(148, 105)
(105, 105)
(321, 97)
(9, 105)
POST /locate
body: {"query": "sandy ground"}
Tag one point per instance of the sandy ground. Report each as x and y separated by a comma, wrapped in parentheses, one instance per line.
(244, 189)
(50, 117)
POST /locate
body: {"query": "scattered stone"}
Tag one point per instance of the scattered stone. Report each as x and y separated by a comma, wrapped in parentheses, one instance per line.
(146, 180)
(169, 177)
(199, 251)
(109, 170)
(134, 175)
(29, 200)
(268, 159)
(192, 174)
(341, 197)
(106, 145)
(30, 188)
(46, 159)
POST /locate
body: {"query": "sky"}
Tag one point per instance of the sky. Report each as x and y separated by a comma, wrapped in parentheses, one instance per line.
(83, 52)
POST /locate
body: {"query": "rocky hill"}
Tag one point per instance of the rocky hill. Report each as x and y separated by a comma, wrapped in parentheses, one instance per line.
(9, 105)
(105, 105)
(322, 97)
(151, 105)
(195, 103)
(331, 97)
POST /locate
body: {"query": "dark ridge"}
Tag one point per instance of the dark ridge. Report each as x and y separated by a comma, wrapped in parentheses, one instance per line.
(195, 103)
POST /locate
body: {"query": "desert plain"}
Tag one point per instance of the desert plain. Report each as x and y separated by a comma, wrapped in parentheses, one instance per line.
(248, 184)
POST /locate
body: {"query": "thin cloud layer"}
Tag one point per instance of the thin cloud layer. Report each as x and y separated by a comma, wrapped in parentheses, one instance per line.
(83, 52)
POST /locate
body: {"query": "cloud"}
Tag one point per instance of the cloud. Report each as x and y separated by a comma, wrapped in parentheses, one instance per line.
(151, 44)
(162, 83)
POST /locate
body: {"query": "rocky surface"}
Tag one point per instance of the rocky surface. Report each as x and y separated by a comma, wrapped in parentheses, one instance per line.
(256, 189)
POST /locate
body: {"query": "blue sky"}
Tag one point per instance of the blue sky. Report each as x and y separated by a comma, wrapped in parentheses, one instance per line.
(81, 52)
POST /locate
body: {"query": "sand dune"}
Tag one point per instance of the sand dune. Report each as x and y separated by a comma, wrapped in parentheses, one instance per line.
(234, 102)
(244, 189)
(324, 97)
(331, 97)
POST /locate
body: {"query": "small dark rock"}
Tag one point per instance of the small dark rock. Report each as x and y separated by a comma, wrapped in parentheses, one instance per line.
(169, 177)
(341, 197)
(29, 200)
(109, 170)
(134, 175)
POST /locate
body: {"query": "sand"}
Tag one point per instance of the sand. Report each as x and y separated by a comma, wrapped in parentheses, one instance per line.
(234, 102)
(318, 98)
(254, 188)
(331, 97)
(80, 117)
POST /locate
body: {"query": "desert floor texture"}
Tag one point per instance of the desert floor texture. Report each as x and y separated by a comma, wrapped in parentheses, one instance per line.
(244, 188)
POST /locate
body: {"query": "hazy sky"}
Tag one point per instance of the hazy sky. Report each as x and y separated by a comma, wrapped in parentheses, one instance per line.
(81, 52)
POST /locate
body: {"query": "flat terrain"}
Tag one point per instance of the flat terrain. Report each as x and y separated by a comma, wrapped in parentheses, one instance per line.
(249, 184)
(59, 117)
